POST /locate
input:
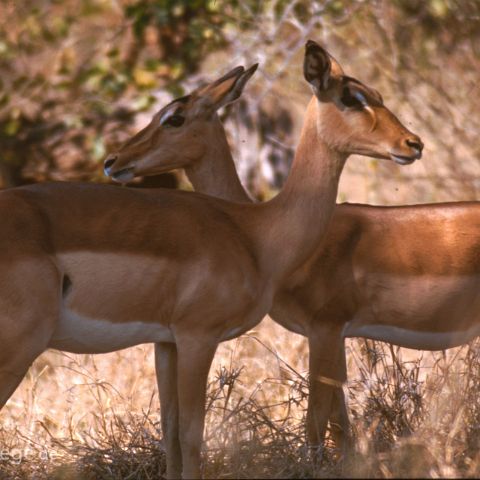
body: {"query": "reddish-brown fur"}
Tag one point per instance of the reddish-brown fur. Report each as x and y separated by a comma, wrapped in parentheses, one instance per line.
(303, 294)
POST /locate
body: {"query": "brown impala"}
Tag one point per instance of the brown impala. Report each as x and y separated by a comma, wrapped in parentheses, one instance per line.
(343, 117)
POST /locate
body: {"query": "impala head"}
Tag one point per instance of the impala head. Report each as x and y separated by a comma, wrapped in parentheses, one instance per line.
(180, 133)
(352, 118)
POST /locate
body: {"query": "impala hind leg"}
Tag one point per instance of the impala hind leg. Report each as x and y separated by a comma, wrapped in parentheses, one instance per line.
(9, 382)
(166, 370)
(326, 378)
(195, 357)
(29, 311)
(14, 369)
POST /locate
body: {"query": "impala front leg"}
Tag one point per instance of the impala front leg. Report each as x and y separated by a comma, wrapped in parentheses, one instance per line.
(339, 422)
(195, 357)
(326, 378)
(166, 371)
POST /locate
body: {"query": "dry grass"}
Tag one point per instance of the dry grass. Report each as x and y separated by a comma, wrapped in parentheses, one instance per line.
(413, 414)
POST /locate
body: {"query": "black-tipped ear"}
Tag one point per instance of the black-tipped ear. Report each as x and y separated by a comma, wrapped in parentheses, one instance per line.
(237, 88)
(223, 91)
(317, 66)
(231, 75)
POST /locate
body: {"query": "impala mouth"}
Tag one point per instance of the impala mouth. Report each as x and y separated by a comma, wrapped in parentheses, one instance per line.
(403, 160)
(123, 176)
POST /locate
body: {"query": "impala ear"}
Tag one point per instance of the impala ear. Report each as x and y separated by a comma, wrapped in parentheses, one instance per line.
(225, 90)
(237, 89)
(316, 66)
(337, 70)
(319, 67)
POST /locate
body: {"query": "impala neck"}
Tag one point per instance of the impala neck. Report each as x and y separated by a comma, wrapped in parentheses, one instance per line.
(289, 227)
(296, 220)
(216, 175)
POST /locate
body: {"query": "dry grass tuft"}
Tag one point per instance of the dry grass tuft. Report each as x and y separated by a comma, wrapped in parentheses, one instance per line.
(414, 414)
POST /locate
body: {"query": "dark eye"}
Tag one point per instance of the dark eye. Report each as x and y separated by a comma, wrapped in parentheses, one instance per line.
(175, 121)
(349, 100)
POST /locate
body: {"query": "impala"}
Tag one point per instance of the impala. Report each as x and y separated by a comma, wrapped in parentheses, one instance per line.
(343, 117)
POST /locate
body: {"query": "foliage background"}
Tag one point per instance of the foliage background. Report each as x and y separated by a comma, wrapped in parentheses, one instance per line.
(78, 77)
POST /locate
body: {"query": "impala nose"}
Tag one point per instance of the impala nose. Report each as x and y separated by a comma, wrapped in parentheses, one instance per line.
(415, 143)
(108, 165)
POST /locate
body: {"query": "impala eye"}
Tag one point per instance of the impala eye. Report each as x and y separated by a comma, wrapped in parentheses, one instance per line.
(349, 100)
(174, 121)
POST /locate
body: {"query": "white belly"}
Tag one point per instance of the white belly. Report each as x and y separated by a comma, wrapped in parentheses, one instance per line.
(78, 334)
(417, 340)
